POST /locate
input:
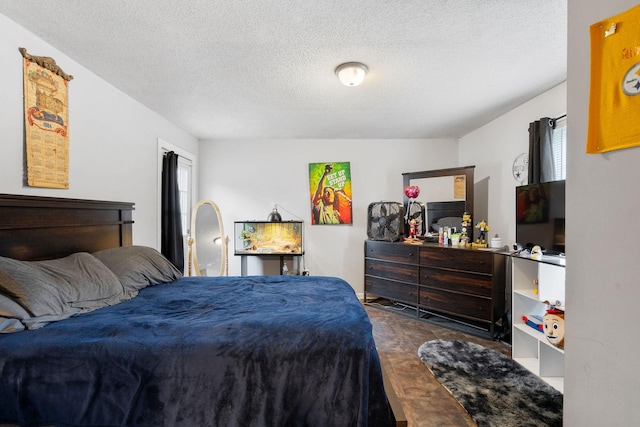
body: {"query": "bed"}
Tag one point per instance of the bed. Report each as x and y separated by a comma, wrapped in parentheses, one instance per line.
(172, 351)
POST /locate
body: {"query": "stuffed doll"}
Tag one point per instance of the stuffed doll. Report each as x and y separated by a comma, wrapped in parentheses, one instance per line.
(536, 252)
(553, 321)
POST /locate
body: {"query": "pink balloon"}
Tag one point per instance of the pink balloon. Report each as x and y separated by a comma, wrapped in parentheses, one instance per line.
(412, 191)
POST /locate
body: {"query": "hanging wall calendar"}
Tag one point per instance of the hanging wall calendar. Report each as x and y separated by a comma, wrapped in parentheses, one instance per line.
(46, 122)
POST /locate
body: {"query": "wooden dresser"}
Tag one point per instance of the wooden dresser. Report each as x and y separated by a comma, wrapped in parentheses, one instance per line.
(466, 286)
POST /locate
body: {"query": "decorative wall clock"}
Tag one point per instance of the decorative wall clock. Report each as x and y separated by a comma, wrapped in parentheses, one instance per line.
(521, 168)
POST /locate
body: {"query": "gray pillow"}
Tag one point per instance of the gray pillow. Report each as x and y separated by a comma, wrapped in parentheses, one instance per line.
(10, 325)
(11, 309)
(138, 267)
(61, 287)
(451, 221)
(10, 315)
(35, 322)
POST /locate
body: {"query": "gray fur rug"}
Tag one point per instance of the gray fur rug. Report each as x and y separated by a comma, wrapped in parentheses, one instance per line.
(492, 388)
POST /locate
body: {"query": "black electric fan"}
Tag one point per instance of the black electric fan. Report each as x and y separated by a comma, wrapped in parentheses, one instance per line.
(385, 221)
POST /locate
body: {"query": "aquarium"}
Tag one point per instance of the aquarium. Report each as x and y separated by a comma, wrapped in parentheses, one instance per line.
(268, 238)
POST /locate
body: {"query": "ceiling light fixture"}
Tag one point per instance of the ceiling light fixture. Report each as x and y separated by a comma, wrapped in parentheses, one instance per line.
(351, 73)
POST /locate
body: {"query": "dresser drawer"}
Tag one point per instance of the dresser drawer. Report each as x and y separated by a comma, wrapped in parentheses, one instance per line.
(395, 291)
(398, 252)
(458, 281)
(457, 258)
(460, 305)
(391, 270)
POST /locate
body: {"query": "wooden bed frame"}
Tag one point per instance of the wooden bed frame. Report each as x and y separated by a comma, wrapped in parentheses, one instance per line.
(37, 228)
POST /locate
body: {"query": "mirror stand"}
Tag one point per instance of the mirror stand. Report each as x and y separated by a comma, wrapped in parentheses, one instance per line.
(208, 248)
(427, 180)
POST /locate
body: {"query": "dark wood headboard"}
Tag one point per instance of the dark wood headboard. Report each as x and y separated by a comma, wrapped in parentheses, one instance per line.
(37, 228)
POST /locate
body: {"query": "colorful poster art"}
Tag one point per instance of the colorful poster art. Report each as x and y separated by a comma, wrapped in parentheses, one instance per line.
(330, 193)
(46, 122)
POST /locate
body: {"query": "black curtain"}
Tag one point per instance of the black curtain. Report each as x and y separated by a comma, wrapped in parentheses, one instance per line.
(172, 246)
(541, 162)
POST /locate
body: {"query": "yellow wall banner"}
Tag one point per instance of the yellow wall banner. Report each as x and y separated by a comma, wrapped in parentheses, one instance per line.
(614, 101)
(46, 122)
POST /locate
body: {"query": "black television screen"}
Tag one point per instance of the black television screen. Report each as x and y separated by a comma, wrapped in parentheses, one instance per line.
(540, 216)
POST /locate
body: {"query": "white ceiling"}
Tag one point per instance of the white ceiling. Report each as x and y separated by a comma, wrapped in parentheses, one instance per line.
(265, 68)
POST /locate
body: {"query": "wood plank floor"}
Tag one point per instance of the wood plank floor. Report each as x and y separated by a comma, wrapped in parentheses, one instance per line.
(424, 401)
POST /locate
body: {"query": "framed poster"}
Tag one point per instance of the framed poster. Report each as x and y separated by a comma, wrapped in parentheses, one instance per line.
(614, 98)
(46, 122)
(459, 186)
(330, 193)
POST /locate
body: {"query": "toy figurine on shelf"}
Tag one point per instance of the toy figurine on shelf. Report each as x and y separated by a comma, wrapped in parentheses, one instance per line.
(412, 239)
(412, 228)
(481, 241)
(466, 222)
(554, 324)
(536, 252)
(412, 192)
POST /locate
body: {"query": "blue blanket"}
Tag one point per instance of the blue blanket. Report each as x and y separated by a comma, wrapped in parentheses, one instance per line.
(231, 351)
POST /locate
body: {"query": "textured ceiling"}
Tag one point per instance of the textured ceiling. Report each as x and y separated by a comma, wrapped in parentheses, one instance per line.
(265, 69)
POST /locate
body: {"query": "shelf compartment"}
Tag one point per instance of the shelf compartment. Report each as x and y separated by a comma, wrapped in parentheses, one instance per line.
(554, 361)
(530, 363)
(533, 281)
(525, 344)
(528, 293)
(551, 284)
(555, 382)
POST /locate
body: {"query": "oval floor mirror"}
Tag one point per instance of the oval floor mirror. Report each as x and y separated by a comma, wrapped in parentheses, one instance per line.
(208, 244)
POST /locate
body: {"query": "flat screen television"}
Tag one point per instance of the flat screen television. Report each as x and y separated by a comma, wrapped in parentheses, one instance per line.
(540, 216)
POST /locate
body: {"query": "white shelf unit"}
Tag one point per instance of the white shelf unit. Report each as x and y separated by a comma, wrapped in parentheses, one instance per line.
(530, 347)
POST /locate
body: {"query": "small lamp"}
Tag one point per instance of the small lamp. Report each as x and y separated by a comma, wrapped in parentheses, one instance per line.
(274, 216)
(351, 73)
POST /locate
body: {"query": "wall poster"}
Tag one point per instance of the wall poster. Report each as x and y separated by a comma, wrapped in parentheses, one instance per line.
(46, 122)
(330, 193)
(614, 100)
(459, 186)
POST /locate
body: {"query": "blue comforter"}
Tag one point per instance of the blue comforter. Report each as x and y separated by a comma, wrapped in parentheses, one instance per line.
(232, 351)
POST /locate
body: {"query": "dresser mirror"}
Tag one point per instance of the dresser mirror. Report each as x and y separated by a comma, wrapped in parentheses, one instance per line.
(444, 193)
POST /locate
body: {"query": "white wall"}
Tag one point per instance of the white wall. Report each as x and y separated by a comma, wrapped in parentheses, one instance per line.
(494, 147)
(602, 385)
(112, 138)
(245, 177)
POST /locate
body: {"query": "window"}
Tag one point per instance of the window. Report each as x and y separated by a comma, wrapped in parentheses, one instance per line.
(184, 188)
(559, 145)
